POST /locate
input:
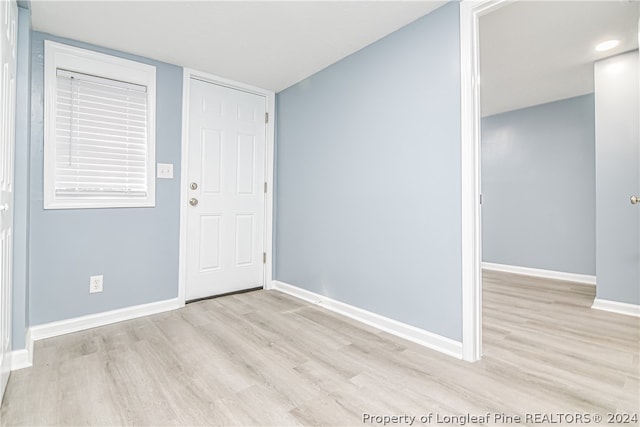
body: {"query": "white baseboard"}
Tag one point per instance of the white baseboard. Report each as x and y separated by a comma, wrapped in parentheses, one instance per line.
(536, 272)
(402, 330)
(24, 358)
(76, 324)
(616, 307)
(20, 359)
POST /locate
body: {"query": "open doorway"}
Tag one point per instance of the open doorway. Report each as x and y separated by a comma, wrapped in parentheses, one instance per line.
(537, 144)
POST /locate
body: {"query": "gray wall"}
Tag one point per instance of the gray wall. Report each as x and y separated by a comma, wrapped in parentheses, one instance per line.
(136, 249)
(368, 178)
(617, 178)
(21, 182)
(538, 187)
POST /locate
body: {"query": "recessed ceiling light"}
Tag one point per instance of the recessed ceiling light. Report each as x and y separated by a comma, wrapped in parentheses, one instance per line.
(609, 44)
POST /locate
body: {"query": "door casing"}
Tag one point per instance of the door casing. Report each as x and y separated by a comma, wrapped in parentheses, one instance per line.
(470, 13)
(184, 172)
(8, 62)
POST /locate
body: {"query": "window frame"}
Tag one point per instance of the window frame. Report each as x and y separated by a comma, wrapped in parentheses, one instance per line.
(58, 55)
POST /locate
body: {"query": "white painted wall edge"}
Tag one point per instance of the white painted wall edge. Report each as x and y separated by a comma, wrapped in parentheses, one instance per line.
(616, 307)
(584, 279)
(411, 333)
(24, 358)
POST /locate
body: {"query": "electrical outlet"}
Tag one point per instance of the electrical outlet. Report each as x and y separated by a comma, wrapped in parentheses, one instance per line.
(95, 284)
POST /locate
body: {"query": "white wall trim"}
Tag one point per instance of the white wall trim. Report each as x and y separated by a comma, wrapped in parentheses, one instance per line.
(184, 162)
(616, 307)
(470, 12)
(24, 358)
(184, 173)
(76, 324)
(20, 359)
(470, 212)
(402, 330)
(28, 340)
(584, 279)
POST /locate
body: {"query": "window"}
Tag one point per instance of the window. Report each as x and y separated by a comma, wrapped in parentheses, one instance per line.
(99, 142)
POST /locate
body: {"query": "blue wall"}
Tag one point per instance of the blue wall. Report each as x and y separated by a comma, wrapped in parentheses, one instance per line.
(538, 187)
(21, 182)
(136, 249)
(368, 178)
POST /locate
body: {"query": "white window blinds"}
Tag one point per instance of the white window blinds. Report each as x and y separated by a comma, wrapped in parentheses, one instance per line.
(101, 147)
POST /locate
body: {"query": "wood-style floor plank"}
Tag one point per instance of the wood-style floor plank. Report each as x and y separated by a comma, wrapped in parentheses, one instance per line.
(264, 358)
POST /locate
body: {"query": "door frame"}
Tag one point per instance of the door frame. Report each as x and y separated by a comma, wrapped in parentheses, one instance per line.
(184, 172)
(470, 13)
(6, 295)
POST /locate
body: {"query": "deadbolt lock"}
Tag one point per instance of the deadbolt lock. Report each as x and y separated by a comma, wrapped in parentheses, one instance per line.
(193, 186)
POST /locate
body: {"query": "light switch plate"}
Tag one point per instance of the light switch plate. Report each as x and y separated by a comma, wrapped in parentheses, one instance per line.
(165, 170)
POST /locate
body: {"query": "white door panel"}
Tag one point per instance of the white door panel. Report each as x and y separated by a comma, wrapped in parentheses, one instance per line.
(226, 168)
(8, 26)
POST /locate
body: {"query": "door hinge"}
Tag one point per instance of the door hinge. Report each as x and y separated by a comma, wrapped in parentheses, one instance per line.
(265, 188)
(264, 257)
(481, 199)
(266, 117)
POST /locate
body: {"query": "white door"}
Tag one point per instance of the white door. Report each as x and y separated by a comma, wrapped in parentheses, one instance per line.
(8, 29)
(226, 196)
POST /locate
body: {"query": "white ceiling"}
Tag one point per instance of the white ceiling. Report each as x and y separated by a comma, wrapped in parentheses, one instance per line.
(269, 44)
(532, 52)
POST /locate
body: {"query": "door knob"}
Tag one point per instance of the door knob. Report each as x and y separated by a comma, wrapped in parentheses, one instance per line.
(635, 200)
(193, 186)
(193, 201)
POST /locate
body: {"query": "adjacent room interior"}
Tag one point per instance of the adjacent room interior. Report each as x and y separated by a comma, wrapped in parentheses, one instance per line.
(540, 182)
(283, 213)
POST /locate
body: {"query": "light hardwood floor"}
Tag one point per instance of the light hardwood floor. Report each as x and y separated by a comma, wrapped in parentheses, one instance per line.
(264, 358)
